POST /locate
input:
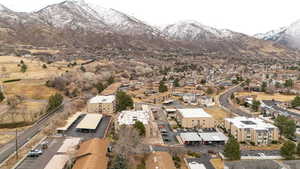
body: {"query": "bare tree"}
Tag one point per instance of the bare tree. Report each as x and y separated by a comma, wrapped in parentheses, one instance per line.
(129, 142)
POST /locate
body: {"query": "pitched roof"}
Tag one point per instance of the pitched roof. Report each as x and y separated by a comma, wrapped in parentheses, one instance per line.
(160, 160)
(92, 154)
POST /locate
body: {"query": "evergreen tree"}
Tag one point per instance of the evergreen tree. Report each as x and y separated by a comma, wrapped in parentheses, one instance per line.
(255, 105)
(162, 87)
(140, 127)
(23, 68)
(1, 96)
(176, 83)
(263, 87)
(287, 127)
(289, 83)
(296, 102)
(288, 150)
(298, 149)
(100, 87)
(124, 101)
(232, 149)
(54, 101)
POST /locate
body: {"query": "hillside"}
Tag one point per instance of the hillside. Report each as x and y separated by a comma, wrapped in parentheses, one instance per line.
(79, 28)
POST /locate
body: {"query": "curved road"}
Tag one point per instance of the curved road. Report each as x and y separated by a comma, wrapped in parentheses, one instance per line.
(224, 102)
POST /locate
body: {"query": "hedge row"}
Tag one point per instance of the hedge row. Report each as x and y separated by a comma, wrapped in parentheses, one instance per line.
(15, 125)
(12, 80)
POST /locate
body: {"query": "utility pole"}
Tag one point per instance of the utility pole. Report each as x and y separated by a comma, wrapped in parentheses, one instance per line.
(17, 155)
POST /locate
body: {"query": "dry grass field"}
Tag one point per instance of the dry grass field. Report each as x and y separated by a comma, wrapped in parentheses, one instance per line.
(30, 90)
(9, 67)
(4, 138)
(264, 96)
(267, 147)
(218, 113)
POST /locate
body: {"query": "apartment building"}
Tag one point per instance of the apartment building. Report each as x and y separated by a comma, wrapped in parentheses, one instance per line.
(102, 104)
(251, 130)
(195, 118)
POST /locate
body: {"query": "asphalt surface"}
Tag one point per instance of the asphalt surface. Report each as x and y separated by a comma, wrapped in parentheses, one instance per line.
(205, 160)
(170, 135)
(273, 104)
(41, 161)
(25, 136)
(224, 101)
(99, 133)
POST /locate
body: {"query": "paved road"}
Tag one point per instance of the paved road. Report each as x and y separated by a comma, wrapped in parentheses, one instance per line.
(224, 101)
(41, 161)
(25, 136)
(273, 104)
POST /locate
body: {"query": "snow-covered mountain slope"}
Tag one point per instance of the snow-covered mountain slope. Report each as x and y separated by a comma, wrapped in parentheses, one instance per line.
(289, 36)
(273, 35)
(79, 14)
(193, 30)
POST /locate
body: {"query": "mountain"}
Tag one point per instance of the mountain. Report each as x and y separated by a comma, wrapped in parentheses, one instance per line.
(75, 25)
(273, 35)
(78, 14)
(195, 31)
(289, 36)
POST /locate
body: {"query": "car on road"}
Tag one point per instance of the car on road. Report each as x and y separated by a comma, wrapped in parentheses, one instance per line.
(35, 153)
(166, 139)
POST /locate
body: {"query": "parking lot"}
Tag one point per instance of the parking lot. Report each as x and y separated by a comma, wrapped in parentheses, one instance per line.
(169, 137)
(41, 161)
(55, 143)
(99, 133)
(205, 160)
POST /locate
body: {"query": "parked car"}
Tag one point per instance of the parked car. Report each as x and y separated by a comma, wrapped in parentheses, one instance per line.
(35, 153)
(44, 144)
(163, 131)
(167, 139)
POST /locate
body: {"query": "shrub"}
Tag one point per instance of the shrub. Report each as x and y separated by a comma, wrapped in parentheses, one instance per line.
(12, 80)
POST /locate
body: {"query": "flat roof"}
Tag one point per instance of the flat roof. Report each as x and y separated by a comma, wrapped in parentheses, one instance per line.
(102, 99)
(191, 136)
(57, 162)
(254, 123)
(90, 121)
(130, 117)
(193, 113)
(69, 145)
(70, 121)
(214, 136)
(195, 165)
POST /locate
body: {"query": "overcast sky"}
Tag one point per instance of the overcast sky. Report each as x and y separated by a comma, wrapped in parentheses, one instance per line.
(246, 16)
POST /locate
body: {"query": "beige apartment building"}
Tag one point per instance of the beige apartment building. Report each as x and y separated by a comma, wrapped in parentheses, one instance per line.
(195, 118)
(252, 130)
(102, 104)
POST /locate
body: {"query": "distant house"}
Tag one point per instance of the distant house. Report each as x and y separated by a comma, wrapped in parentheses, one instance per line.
(206, 101)
(92, 154)
(189, 98)
(160, 160)
(102, 104)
